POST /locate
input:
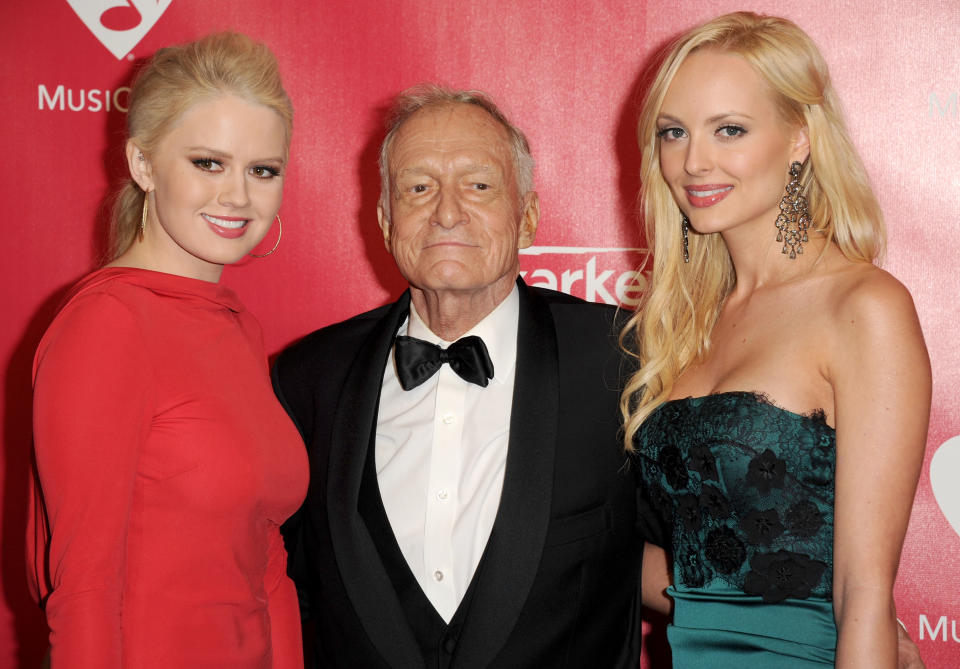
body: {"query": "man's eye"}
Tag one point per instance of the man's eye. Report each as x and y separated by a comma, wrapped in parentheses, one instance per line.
(481, 186)
(419, 188)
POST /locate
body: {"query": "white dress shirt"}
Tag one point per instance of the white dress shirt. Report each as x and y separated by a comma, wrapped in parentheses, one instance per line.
(441, 451)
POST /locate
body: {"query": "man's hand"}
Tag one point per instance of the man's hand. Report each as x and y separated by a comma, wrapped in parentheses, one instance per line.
(908, 655)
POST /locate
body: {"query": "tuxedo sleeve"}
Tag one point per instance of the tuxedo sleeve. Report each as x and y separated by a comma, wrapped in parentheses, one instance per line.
(293, 398)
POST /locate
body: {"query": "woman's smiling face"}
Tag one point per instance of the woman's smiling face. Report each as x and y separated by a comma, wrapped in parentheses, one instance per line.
(215, 185)
(724, 147)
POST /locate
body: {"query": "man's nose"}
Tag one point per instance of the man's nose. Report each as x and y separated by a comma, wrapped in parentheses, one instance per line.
(449, 211)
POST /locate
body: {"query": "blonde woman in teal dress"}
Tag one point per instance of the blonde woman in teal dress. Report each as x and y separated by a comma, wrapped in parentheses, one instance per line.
(779, 412)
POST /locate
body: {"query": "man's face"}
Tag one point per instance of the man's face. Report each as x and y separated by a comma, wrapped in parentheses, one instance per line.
(456, 218)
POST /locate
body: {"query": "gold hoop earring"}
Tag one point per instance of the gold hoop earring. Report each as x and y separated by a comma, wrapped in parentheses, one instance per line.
(143, 215)
(279, 235)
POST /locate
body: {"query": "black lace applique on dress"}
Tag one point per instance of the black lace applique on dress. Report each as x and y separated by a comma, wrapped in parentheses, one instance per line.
(701, 461)
(761, 527)
(776, 576)
(745, 491)
(766, 472)
(724, 550)
(714, 501)
(674, 469)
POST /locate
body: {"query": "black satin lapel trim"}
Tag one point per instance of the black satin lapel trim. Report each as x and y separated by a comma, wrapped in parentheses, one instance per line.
(513, 552)
(364, 577)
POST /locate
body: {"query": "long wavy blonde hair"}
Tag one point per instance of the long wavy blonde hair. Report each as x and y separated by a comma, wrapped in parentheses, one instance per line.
(672, 326)
(175, 79)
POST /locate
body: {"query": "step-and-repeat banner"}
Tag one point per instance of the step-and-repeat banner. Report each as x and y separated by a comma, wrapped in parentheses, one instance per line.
(569, 73)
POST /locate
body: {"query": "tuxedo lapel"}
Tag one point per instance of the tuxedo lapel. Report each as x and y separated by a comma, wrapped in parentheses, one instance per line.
(512, 556)
(364, 577)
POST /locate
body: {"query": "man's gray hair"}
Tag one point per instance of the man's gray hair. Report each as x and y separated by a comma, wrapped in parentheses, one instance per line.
(429, 96)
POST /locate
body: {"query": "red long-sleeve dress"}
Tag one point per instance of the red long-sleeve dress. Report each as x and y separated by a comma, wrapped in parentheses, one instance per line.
(165, 467)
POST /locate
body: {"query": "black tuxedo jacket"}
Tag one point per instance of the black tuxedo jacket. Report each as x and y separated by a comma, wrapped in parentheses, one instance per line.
(558, 583)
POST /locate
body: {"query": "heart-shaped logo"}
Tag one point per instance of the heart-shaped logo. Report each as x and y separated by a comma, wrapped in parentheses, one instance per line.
(944, 479)
(119, 25)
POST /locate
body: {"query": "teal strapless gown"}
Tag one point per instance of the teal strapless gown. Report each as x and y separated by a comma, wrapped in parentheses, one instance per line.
(744, 491)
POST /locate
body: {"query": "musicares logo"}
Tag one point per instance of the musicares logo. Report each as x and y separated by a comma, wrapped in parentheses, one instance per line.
(119, 25)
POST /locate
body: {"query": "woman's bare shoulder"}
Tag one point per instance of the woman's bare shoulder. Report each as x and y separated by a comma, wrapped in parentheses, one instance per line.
(865, 294)
(871, 319)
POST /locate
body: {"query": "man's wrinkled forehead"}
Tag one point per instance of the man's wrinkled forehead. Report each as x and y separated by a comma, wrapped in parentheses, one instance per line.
(450, 128)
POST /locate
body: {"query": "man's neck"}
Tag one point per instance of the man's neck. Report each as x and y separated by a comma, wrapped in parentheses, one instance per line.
(450, 314)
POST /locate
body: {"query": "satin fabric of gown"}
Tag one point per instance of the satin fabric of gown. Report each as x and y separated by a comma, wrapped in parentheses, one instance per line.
(744, 491)
(166, 466)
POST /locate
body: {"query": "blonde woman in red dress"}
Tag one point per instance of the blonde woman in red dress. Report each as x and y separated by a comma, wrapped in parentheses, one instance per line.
(165, 465)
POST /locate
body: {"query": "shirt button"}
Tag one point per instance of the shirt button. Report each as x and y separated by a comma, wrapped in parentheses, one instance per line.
(448, 418)
(443, 495)
(438, 575)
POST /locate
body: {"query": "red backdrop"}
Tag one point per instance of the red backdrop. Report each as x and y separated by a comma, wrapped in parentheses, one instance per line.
(568, 73)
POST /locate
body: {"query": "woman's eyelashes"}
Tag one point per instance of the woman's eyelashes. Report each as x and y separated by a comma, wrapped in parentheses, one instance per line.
(731, 130)
(726, 131)
(671, 133)
(207, 164)
(264, 172)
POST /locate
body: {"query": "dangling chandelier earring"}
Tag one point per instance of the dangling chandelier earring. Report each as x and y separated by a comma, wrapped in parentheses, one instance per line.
(279, 235)
(793, 219)
(684, 228)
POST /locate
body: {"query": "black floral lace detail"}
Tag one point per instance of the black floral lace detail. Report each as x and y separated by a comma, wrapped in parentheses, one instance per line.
(714, 501)
(762, 527)
(688, 511)
(692, 567)
(701, 460)
(804, 518)
(674, 469)
(776, 576)
(766, 472)
(724, 550)
(744, 492)
(823, 460)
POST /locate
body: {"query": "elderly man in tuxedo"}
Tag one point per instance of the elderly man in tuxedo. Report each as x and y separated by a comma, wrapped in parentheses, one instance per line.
(469, 503)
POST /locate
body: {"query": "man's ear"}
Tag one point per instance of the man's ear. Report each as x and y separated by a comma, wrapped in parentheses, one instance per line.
(384, 222)
(529, 219)
(140, 169)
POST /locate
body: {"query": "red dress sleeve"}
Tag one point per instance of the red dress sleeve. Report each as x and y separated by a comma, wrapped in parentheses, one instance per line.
(91, 413)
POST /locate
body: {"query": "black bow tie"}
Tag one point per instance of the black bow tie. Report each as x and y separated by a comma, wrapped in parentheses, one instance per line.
(418, 360)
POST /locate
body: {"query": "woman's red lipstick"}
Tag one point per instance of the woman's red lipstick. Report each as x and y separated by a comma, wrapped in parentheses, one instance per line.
(230, 227)
(707, 195)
